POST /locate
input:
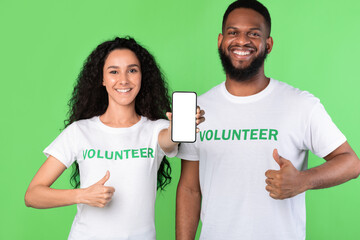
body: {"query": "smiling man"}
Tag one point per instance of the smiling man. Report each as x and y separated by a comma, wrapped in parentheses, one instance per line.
(246, 175)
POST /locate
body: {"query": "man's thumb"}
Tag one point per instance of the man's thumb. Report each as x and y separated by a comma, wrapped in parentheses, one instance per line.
(278, 158)
(105, 178)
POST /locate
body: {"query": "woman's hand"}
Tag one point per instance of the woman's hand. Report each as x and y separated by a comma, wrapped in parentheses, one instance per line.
(165, 142)
(98, 195)
(199, 117)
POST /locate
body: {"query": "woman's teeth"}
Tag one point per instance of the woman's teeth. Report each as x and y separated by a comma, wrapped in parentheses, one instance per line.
(123, 90)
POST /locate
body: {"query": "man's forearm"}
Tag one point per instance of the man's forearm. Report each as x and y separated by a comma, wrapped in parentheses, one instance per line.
(188, 204)
(340, 169)
(341, 165)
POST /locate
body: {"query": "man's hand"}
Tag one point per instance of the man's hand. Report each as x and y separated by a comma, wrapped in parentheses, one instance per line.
(286, 182)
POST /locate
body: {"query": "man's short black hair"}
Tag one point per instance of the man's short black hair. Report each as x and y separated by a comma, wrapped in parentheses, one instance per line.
(252, 4)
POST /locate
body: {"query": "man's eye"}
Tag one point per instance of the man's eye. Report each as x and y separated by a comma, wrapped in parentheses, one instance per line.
(232, 33)
(254, 34)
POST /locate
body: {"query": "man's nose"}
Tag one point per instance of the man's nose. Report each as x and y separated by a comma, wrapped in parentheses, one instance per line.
(242, 39)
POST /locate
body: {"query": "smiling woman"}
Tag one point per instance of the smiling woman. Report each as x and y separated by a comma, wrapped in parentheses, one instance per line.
(122, 77)
(117, 138)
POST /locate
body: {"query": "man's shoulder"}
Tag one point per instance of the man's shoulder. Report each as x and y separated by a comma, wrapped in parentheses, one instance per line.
(291, 93)
(211, 94)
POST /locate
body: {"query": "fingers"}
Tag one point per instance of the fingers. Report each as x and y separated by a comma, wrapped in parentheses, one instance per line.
(169, 115)
(105, 178)
(270, 186)
(273, 195)
(200, 120)
(109, 189)
(273, 192)
(269, 181)
(105, 197)
(199, 112)
(102, 203)
(108, 196)
(271, 173)
(199, 117)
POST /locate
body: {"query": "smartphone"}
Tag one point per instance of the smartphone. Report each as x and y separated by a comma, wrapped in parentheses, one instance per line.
(183, 124)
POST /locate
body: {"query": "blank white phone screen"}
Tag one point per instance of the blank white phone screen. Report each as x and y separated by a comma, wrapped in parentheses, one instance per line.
(183, 117)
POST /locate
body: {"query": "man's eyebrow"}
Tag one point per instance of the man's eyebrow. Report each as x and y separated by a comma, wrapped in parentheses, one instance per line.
(231, 28)
(235, 28)
(255, 28)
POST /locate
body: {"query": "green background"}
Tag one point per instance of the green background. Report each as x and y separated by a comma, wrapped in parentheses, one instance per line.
(43, 46)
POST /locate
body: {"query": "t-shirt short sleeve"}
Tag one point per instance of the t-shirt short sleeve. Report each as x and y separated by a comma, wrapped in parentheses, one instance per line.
(189, 151)
(322, 136)
(162, 124)
(63, 148)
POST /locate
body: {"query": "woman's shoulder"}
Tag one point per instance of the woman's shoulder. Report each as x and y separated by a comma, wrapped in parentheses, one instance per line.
(158, 123)
(83, 123)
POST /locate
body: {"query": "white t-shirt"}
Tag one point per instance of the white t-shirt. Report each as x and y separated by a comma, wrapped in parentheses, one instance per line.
(235, 149)
(133, 156)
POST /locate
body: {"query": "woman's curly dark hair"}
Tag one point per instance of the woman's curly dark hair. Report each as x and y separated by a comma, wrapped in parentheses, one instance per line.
(90, 98)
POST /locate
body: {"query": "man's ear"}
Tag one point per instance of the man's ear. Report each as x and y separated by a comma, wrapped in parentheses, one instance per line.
(220, 38)
(269, 44)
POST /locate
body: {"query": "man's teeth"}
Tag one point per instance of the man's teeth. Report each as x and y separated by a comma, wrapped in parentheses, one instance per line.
(123, 90)
(242, 53)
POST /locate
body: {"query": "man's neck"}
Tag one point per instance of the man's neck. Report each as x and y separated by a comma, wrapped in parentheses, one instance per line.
(247, 87)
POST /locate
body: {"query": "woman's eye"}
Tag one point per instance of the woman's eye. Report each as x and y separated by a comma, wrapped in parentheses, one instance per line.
(113, 72)
(133, 70)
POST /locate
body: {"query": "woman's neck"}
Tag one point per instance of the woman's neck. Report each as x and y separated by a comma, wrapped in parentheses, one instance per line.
(120, 116)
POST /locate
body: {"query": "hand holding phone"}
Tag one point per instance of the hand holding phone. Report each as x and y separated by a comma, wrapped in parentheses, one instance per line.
(183, 124)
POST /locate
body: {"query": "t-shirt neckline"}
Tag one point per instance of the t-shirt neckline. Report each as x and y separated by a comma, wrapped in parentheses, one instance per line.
(248, 99)
(104, 127)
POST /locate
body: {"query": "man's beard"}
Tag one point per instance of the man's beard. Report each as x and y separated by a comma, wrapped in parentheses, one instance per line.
(241, 74)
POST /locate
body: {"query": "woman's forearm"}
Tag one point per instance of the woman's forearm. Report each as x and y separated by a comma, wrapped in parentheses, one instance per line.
(45, 197)
(165, 141)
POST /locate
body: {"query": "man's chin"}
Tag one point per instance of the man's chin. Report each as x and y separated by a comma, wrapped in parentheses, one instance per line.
(241, 66)
(241, 63)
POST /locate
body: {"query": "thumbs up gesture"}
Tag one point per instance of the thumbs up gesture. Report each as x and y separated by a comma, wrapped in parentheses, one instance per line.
(98, 195)
(286, 182)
